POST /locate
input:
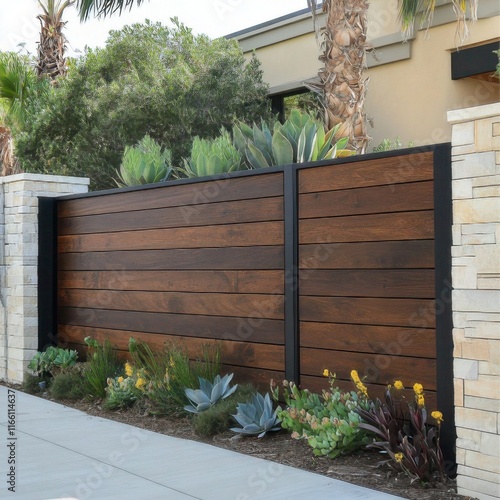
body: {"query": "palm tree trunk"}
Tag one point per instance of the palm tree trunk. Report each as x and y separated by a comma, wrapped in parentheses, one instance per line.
(8, 162)
(344, 57)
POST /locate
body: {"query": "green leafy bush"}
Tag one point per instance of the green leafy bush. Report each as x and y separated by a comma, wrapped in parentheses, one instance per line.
(102, 363)
(52, 360)
(390, 145)
(148, 79)
(121, 393)
(145, 163)
(329, 422)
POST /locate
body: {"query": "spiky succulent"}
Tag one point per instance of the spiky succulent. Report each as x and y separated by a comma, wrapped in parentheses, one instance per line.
(256, 417)
(209, 393)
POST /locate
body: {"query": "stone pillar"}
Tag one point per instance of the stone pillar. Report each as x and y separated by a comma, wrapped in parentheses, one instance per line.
(476, 297)
(18, 264)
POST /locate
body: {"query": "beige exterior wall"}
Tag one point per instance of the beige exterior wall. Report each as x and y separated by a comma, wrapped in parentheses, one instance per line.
(476, 298)
(410, 88)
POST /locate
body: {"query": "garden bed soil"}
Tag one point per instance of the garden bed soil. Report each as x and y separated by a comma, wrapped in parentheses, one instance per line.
(360, 468)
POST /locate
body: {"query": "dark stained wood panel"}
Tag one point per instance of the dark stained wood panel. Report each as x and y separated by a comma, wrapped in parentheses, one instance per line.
(373, 255)
(396, 341)
(258, 330)
(253, 281)
(368, 311)
(377, 368)
(235, 212)
(172, 195)
(377, 172)
(207, 258)
(402, 283)
(380, 227)
(239, 235)
(211, 304)
(233, 353)
(372, 200)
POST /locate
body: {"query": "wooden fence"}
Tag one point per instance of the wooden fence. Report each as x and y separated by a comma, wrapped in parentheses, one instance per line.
(336, 265)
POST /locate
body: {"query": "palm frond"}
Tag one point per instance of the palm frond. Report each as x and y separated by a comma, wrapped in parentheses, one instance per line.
(103, 7)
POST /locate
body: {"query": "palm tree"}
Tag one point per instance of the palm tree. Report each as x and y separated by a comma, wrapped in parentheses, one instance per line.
(19, 85)
(51, 60)
(103, 7)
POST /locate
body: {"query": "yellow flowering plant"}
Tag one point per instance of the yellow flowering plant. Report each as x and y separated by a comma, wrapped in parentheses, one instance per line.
(328, 421)
(121, 392)
(401, 430)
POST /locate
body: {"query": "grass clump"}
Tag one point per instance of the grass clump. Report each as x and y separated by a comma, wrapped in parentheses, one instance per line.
(31, 383)
(67, 385)
(102, 363)
(218, 418)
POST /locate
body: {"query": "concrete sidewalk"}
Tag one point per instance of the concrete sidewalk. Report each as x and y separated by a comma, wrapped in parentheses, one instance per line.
(60, 452)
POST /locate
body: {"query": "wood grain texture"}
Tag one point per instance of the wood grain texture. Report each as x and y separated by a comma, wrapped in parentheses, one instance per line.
(211, 304)
(381, 171)
(247, 354)
(379, 227)
(371, 200)
(172, 195)
(234, 235)
(396, 341)
(235, 212)
(414, 283)
(265, 331)
(176, 281)
(368, 311)
(256, 257)
(373, 255)
(377, 368)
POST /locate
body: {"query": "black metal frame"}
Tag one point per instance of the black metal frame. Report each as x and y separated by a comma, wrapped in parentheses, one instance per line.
(443, 220)
(47, 273)
(474, 61)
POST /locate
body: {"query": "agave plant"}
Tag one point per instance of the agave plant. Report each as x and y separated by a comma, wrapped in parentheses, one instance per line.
(257, 416)
(209, 393)
(212, 157)
(300, 139)
(145, 163)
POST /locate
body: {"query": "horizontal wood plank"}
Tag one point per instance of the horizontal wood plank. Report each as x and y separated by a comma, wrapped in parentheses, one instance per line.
(377, 368)
(265, 331)
(175, 281)
(265, 356)
(372, 200)
(235, 212)
(202, 259)
(372, 255)
(233, 235)
(171, 195)
(397, 341)
(414, 283)
(380, 227)
(368, 311)
(208, 304)
(375, 172)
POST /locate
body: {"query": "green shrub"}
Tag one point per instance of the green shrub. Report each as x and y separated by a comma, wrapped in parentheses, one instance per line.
(102, 362)
(217, 419)
(67, 385)
(121, 393)
(390, 145)
(329, 422)
(30, 383)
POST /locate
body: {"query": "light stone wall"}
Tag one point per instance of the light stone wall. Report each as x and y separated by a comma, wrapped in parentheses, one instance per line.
(476, 297)
(18, 264)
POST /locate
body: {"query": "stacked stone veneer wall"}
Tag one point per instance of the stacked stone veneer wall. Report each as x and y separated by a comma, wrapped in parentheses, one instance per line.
(476, 297)
(18, 264)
